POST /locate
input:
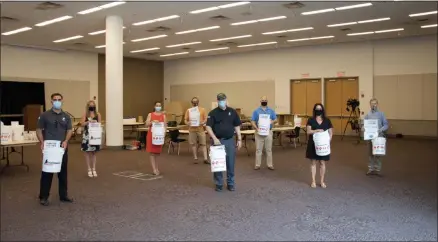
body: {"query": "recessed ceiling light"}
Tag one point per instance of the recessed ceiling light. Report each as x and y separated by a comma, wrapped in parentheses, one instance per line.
(198, 30)
(373, 20)
(105, 6)
(69, 38)
(355, 6)
(388, 30)
(215, 49)
(422, 14)
(156, 20)
(230, 5)
(341, 24)
(149, 38)
(17, 31)
(258, 44)
(144, 50)
(229, 38)
(103, 46)
(259, 20)
(53, 21)
(184, 44)
(361, 33)
(429, 26)
(179, 53)
(323, 37)
(296, 40)
(319, 11)
(289, 30)
(99, 32)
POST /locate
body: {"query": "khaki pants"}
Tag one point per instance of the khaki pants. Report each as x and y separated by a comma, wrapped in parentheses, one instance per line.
(266, 142)
(197, 137)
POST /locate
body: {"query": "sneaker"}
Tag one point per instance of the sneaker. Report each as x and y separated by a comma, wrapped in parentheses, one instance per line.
(218, 188)
(66, 200)
(271, 168)
(257, 168)
(196, 161)
(94, 173)
(44, 202)
(231, 188)
(369, 173)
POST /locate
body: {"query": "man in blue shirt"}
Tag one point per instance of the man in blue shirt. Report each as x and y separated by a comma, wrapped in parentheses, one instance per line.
(262, 121)
(374, 164)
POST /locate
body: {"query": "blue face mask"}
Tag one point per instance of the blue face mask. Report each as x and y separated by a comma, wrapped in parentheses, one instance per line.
(222, 103)
(57, 104)
(157, 109)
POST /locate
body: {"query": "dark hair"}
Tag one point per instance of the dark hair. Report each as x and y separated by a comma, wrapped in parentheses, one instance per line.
(322, 108)
(155, 104)
(56, 94)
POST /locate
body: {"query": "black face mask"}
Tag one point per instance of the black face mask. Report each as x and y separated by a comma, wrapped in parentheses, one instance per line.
(318, 112)
(91, 109)
(264, 104)
(195, 104)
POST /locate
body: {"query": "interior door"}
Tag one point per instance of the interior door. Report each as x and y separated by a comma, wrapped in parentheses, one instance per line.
(313, 95)
(298, 97)
(333, 103)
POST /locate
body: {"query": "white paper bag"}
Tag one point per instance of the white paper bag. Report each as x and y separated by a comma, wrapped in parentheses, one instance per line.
(194, 117)
(52, 159)
(264, 124)
(322, 143)
(218, 158)
(379, 146)
(158, 133)
(17, 133)
(6, 134)
(94, 134)
(297, 122)
(51, 144)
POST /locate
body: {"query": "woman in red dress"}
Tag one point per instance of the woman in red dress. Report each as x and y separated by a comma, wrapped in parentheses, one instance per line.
(154, 150)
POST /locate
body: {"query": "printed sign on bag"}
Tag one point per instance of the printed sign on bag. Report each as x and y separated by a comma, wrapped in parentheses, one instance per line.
(322, 143)
(158, 133)
(264, 124)
(218, 158)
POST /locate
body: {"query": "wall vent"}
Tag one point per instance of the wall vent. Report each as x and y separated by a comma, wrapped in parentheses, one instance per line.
(151, 53)
(423, 20)
(293, 5)
(159, 29)
(228, 44)
(8, 19)
(48, 6)
(219, 18)
(345, 29)
(281, 36)
(186, 48)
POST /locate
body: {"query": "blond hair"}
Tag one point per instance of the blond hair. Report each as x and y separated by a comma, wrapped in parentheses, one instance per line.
(374, 99)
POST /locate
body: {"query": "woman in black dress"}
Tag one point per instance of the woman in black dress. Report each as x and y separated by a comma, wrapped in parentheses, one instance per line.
(91, 116)
(317, 123)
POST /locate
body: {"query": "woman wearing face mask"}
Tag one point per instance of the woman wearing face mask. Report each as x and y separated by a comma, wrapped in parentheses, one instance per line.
(91, 116)
(317, 123)
(154, 150)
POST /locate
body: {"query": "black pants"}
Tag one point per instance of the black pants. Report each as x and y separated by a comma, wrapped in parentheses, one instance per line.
(46, 180)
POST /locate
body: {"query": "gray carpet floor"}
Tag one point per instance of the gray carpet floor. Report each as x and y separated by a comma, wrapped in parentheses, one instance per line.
(266, 206)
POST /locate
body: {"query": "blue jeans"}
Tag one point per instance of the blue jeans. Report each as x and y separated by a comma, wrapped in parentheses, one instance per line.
(230, 149)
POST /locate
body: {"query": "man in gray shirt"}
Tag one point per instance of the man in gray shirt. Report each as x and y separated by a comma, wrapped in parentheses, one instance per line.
(374, 164)
(55, 124)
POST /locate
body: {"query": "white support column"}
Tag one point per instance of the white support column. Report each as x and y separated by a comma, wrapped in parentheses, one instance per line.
(114, 81)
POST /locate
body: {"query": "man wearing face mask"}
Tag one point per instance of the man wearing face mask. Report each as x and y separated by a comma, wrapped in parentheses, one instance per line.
(222, 123)
(374, 164)
(196, 118)
(260, 117)
(55, 124)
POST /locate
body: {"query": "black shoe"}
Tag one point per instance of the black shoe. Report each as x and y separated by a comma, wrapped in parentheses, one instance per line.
(218, 188)
(207, 162)
(44, 202)
(231, 188)
(377, 173)
(66, 200)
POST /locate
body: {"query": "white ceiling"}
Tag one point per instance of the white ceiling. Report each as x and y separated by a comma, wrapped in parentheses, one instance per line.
(131, 12)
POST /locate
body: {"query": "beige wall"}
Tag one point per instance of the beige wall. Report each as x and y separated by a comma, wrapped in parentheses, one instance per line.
(142, 85)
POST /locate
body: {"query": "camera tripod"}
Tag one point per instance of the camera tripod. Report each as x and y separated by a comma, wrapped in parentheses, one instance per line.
(354, 116)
